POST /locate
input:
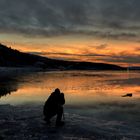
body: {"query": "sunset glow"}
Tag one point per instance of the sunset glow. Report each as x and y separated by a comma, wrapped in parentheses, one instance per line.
(79, 31)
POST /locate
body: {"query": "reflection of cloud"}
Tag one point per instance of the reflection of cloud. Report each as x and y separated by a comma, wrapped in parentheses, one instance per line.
(125, 82)
(118, 105)
(10, 81)
(8, 85)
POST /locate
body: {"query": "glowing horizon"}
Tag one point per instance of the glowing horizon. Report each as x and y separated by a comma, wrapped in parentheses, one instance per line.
(124, 53)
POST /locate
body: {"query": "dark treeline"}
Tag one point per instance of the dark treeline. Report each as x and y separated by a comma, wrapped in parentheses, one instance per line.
(14, 58)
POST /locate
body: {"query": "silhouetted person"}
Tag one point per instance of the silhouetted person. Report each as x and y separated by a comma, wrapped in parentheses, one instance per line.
(54, 106)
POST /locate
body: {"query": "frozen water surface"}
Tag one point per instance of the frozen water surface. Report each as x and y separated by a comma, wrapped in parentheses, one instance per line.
(94, 107)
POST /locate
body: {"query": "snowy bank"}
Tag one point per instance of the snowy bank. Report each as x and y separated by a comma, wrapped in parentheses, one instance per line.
(25, 122)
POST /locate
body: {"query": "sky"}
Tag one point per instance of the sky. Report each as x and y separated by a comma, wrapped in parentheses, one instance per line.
(105, 31)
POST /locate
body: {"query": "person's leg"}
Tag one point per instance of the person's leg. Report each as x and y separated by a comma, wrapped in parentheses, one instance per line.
(59, 116)
(48, 116)
(47, 120)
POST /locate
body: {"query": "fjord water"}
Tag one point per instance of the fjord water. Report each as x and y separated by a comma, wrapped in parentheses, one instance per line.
(94, 103)
(82, 88)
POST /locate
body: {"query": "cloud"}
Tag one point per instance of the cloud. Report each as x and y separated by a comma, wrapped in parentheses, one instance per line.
(66, 54)
(122, 58)
(99, 47)
(115, 19)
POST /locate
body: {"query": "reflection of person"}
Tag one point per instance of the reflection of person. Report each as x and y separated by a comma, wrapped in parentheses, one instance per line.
(54, 106)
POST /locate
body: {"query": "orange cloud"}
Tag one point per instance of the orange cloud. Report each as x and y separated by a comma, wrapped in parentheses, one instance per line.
(81, 48)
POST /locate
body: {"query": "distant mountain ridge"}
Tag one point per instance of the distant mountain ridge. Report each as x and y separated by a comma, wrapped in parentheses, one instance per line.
(13, 58)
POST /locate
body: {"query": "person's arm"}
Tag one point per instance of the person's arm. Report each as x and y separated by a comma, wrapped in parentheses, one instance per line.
(62, 99)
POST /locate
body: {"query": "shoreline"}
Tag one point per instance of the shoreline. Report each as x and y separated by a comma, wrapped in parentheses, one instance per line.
(26, 122)
(117, 119)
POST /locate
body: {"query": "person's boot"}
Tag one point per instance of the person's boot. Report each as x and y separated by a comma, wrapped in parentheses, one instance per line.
(60, 123)
(47, 121)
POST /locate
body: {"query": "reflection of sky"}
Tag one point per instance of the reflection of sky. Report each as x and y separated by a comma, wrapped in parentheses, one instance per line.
(79, 87)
